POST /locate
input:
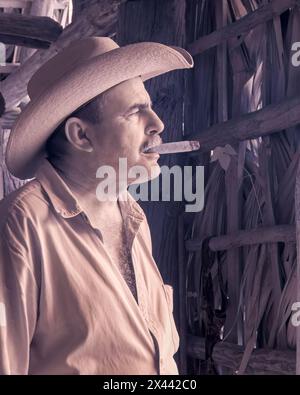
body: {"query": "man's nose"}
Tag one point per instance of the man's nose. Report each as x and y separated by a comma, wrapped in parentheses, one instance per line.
(156, 125)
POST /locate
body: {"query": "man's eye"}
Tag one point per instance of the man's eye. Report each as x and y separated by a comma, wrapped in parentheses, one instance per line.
(134, 112)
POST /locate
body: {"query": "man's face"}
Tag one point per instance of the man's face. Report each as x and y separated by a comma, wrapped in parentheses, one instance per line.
(128, 124)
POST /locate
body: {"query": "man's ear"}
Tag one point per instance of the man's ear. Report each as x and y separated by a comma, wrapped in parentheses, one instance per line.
(76, 133)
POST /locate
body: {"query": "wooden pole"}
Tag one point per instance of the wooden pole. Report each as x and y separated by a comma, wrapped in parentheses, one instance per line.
(271, 119)
(199, 104)
(242, 238)
(263, 361)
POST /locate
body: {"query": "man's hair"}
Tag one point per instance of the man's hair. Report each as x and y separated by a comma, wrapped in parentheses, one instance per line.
(58, 144)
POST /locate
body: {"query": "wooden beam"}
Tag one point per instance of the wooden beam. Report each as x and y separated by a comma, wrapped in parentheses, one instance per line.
(242, 26)
(262, 361)
(272, 118)
(232, 190)
(98, 20)
(272, 234)
(27, 30)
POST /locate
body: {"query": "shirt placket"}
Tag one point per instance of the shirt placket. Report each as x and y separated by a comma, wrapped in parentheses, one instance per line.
(146, 309)
(140, 296)
(141, 300)
(152, 327)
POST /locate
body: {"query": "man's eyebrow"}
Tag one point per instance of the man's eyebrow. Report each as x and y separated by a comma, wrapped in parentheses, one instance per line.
(141, 106)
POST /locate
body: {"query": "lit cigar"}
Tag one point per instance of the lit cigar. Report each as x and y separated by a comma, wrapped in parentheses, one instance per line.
(173, 148)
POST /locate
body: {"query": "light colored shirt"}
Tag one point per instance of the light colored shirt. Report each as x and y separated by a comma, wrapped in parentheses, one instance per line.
(65, 308)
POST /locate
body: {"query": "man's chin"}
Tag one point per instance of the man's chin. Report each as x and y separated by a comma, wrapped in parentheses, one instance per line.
(154, 172)
(151, 173)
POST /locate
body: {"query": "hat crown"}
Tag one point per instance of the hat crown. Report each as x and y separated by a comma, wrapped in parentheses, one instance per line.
(66, 60)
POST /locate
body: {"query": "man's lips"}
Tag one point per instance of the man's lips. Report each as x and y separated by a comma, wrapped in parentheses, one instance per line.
(150, 145)
(151, 155)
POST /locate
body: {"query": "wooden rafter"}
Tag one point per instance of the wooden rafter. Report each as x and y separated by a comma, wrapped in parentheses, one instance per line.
(271, 234)
(272, 118)
(242, 26)
(27, 30)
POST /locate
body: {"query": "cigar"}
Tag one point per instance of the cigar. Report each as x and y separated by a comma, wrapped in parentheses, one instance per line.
(173, 148)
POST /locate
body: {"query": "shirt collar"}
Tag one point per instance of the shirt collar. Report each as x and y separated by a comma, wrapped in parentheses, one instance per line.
(60, 195)
(64, 201)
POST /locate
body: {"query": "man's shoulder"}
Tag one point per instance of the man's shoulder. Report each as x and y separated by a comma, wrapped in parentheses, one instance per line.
(27, 201)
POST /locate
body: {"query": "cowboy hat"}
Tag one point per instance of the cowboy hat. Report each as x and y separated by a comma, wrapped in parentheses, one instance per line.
(71, 78)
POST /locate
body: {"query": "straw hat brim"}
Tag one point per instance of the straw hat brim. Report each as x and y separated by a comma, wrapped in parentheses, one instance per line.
(26, 145)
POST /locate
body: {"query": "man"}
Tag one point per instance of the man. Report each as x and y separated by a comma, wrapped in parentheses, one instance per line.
(79, 290)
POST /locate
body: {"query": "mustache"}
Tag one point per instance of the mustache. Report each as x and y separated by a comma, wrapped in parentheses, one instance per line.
(153, 143)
